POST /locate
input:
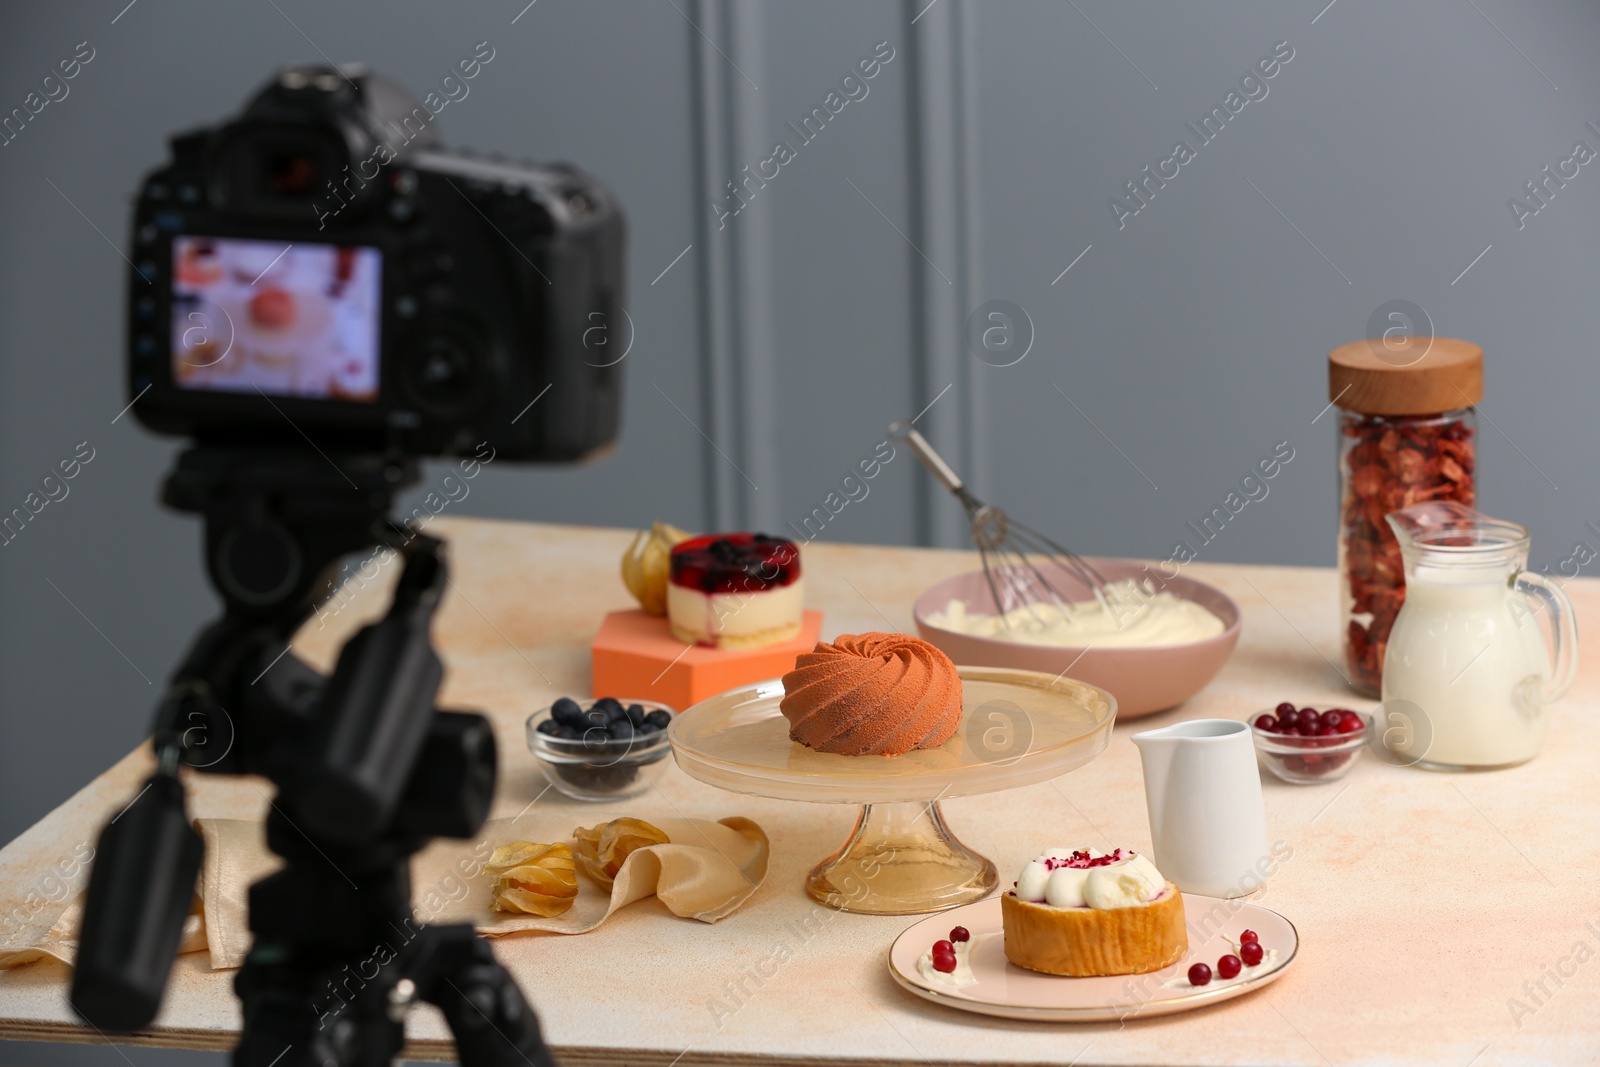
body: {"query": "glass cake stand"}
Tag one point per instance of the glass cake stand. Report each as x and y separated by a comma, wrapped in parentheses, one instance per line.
(1018, 728)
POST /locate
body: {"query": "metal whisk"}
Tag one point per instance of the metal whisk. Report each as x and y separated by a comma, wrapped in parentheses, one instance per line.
(1004, 544)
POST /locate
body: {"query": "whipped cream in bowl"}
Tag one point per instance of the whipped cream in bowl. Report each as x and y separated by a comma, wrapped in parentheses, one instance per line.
(1158, 639)
(1132, 615)
(1075, 878)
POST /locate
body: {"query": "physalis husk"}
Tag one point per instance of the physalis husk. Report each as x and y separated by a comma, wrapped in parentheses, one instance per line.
(601, 850)
(536, 879)
(646, 565)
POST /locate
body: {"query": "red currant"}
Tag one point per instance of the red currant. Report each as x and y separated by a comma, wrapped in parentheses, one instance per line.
(1351, 723)
(1331, 718)
(1252, 953)
(1285, 707)
(1288, 717)
(944, 957)
(1228, 966)
(1267, 723)
(1309, 713)
(1248, 936)
(960, 933)
(1199, 974)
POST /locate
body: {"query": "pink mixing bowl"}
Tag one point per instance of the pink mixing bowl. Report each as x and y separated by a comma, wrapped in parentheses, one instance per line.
(1144, 680)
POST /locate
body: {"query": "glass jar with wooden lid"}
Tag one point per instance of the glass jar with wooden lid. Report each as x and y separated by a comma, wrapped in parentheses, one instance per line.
(1408, 430)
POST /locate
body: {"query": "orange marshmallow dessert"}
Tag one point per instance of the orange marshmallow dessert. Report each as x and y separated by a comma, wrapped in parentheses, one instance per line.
(737, 590)
(872, 694)
(1077, 914)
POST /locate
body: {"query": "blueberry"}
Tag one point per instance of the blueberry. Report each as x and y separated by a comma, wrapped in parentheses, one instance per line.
(622, 730)
(645, 729)
(596, 737)
(549, 726)
(566, 712)
(617, 714)
(636, 714)
(607, 705)
(565, 733)
(594, 717)
(659, 719)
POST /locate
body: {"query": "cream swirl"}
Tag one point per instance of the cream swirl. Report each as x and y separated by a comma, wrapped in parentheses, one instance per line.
(1064, 878)
(872, 694)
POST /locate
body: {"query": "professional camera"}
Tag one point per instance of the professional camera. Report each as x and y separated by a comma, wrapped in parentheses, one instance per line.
(321, 267)
(321, 297)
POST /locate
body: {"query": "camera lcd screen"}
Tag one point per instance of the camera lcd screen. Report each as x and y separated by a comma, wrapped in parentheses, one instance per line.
(284, 319)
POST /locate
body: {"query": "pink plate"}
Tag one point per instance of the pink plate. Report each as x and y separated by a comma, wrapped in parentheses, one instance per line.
(1144, 680)
(1013, 992)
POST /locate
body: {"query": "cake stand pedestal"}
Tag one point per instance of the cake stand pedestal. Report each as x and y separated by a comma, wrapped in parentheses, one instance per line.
(1018, 728)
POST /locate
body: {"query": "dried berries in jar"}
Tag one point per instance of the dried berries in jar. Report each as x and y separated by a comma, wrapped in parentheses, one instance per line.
(1408, 435)
(1392, 463)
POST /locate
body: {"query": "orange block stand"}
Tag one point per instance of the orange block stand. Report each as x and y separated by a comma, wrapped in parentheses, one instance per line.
(637, 658)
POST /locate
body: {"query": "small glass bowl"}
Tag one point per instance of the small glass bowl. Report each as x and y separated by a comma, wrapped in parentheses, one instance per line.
(600, 770)
(1309, 760)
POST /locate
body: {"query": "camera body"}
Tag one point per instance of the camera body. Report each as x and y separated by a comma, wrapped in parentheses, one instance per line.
(320, 269)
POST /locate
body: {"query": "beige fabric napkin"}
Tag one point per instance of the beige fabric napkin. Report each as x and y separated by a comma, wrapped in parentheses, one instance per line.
(706, 872)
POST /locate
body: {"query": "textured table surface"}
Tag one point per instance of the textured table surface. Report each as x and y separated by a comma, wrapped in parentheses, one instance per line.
(1446, 920)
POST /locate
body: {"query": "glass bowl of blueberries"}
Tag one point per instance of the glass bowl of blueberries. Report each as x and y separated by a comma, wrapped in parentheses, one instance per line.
(1306, 746)
(603, 750)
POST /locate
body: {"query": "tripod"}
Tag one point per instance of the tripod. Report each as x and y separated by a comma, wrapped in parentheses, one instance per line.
(367, 769)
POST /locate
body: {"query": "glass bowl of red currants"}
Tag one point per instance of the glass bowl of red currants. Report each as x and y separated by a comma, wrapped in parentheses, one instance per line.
(1306, 746)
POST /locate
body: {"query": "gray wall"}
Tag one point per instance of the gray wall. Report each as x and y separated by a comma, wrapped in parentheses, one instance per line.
(1176, 351)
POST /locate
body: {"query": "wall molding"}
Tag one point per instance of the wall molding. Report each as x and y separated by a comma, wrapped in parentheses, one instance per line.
(737, 382)
(943, 192)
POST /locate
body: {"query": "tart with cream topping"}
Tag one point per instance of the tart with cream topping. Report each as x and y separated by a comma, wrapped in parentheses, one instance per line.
(1075, 913)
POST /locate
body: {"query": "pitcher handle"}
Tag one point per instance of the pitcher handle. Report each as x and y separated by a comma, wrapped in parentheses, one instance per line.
(1563, 630)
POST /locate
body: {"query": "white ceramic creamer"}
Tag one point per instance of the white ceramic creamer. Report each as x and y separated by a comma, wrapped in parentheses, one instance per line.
(1207, 821)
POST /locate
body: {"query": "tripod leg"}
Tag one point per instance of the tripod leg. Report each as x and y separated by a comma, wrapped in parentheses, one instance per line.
(292, 1019)
(492, 1022)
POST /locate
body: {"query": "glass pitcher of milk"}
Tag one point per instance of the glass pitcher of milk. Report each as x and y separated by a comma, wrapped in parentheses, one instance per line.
(1468, 670)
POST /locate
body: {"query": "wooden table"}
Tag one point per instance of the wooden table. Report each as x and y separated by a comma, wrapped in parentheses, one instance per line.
(1446, 919)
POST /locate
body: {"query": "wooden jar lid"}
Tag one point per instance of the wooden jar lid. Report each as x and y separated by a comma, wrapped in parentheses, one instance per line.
(1411, 376)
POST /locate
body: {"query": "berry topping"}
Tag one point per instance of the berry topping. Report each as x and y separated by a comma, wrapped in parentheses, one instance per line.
(1251, 952)
(1199, 974)
(960, 933)
(1249, 936)
(1228, 966)
(737, 562)
(944, 957)
(1267, 723)
(1081, 860)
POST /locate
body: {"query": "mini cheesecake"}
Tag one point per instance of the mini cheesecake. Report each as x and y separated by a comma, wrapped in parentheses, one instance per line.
(738, 590)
